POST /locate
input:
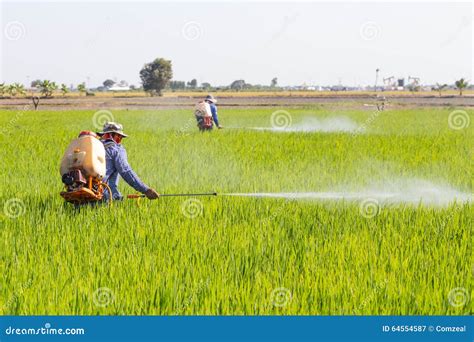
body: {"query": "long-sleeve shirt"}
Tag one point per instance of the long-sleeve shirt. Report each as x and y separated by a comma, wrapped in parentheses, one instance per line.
(214, 113)
(117, 164)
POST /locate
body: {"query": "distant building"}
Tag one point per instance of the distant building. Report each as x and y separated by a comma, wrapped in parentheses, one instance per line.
(117, 87)
(400, 84)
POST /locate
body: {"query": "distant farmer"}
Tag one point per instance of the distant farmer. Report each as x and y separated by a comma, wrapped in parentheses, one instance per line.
(117, 163)
(381, 103)
(206, 114)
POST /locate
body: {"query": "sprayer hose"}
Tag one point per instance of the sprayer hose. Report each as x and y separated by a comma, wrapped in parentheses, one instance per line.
(110, 192)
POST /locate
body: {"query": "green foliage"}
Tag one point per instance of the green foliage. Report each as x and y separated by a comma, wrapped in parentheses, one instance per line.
(414, 87)
(238, 85)
(233, 255)
(64, 89)
(156, 75)
(82, 88)
(461, 84)
(206, 86)
(177, 85)
(192, 84)
(108, 83)
(47, 88)
(15, 89)
(35, 83)
(440, 87)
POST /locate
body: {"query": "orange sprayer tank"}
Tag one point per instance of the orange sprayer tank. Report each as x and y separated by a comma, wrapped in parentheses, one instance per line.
(87, 154)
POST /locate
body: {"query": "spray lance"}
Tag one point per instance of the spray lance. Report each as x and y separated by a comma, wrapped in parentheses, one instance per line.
(136, 196)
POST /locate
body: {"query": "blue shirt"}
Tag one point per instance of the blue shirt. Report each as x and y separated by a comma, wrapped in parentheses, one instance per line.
(214, 113)
(117, 164)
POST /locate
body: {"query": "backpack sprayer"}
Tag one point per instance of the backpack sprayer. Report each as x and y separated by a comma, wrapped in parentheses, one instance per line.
(83, 168)
(202, 111)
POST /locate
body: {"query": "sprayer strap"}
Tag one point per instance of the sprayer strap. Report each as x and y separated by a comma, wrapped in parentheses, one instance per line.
(108, 143)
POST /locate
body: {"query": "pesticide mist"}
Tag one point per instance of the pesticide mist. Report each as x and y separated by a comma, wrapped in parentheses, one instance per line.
(311, 124)
(411, 191)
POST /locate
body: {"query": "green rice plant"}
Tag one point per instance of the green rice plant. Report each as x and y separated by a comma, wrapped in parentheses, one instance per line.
(239, 255)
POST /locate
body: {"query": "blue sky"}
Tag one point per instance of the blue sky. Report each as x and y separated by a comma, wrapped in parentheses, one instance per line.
(312, 42)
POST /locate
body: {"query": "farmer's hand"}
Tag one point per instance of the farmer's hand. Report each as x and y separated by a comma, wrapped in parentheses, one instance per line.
(152, 194)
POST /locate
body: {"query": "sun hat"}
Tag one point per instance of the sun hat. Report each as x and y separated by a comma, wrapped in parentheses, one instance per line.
(211, 98)
(112, 127)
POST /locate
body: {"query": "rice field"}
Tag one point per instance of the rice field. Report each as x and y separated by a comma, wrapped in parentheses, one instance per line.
(251, 255)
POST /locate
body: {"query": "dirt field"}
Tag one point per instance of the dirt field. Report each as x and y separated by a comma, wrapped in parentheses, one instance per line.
(179, 101)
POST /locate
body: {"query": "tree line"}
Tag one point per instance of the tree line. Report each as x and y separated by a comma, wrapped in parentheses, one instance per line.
(157, 76)
(45, 87)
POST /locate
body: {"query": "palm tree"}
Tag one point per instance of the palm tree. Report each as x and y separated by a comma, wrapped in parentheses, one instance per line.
(461, 84)
(47, 88)
(3, 89)
(439, 88)
(10, 89)
(81, 87)
(64, 89)
(20, 89)
(16, 89)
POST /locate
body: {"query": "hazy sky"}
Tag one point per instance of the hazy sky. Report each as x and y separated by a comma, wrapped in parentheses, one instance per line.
(313, 42)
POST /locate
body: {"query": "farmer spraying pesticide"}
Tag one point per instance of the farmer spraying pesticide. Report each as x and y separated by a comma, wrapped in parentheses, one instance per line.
(117, 163)
(206, 114)
(91, 167)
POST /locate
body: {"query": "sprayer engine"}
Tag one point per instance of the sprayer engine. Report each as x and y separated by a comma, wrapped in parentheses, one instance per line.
(74, 179)
(83, 168)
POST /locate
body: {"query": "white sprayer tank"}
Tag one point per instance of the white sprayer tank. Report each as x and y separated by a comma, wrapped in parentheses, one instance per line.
(202, 109)
(86, 153)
